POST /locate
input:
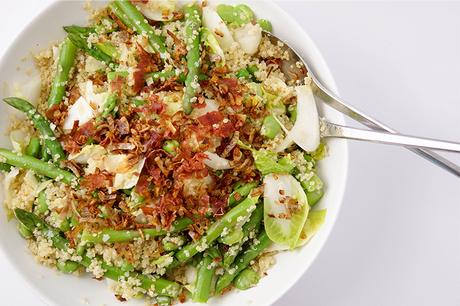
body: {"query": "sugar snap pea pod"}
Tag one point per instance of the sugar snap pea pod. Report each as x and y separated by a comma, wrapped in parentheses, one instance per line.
(241, 193)
(243, 261)
(38, 166)
(203, 282)
(192, 39)
(34, 147)
(111, 236)
(65, 62)
(41, 124)
(229, 220)
(68, 266)
(81, 41)
(5, 167)
(246, 279)
(250, 227)
(133, 18)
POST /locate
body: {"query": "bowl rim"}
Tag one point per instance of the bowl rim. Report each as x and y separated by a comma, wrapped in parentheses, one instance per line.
(324, 74)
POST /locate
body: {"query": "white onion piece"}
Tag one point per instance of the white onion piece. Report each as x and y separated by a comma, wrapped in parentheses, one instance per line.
(129, 178)
(249, 37)
(159, 10)
(81, 111)
(217, 26)
(216, 162)
(89, 151)
(210, 106)
(306, 130)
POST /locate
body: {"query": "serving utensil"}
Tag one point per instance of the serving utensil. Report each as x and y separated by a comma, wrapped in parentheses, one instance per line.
(296, 71)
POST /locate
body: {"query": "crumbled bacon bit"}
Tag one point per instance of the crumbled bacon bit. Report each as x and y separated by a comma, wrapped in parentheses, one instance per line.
(97, 180)
(146, 63)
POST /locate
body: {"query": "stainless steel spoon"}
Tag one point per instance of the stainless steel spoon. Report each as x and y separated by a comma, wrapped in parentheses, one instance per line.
(296, 70)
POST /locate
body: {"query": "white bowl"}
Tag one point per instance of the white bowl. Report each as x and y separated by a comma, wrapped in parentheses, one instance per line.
(59, 289)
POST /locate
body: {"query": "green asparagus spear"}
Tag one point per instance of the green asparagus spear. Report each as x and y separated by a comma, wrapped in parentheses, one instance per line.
(41, 124)
(203, 281)
(81, 41)
(42, 205)
(5, 167)
(243, 260)
(133, 18)
(74, 29)
(110, 104)
(67, 266)
(111, 236)
(241, 193)
(192, 34)
(229, 220)
(38, 166)
(65, 62)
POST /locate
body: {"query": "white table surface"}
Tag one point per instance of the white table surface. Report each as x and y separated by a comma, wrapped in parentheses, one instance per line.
(397, 239)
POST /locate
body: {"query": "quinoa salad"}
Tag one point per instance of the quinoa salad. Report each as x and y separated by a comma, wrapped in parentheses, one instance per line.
(168, 152)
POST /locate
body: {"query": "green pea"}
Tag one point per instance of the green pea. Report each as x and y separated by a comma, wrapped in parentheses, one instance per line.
(67, 266)
(265, 25)
(252, 69)
(237, 15)
(226, 12)
(246, 279)
(171, 146)
(245, 13)
(270, 127)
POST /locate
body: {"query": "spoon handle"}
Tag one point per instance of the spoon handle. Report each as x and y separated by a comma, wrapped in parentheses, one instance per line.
(338, 131)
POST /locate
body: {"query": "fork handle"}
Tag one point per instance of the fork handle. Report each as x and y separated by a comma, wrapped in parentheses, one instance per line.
(338, 131)
(332, 100)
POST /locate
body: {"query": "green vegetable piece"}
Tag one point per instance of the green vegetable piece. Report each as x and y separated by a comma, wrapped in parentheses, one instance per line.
(34, 147)
(111, 236)
(248, 278)
(138, 102)
(170, 246)
(270, 127)
(215, 50)
(252, 69)
(66, 60)
(5, 167)
(106, 26)
(64, 226)
(243, 260)
(81, 42)
(265, 25)
(229, 220)
(241, 193)
(243, 74)
(171, 146)
(235, 15)
(109, 106)
(314, 221)
(314, 196)
(38, 166)
(313, 184)
(42, 125)
(42, 206)
(24, 231)
(249, 229)
(33, 222)
(192, 34)
(133, 18)
(74, 29)
(203, 281)
(109, 49)
(112, 75)
(68, 266)
(320, 153)
(233, 237)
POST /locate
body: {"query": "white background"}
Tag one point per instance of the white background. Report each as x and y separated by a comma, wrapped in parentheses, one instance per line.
(397, 239)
